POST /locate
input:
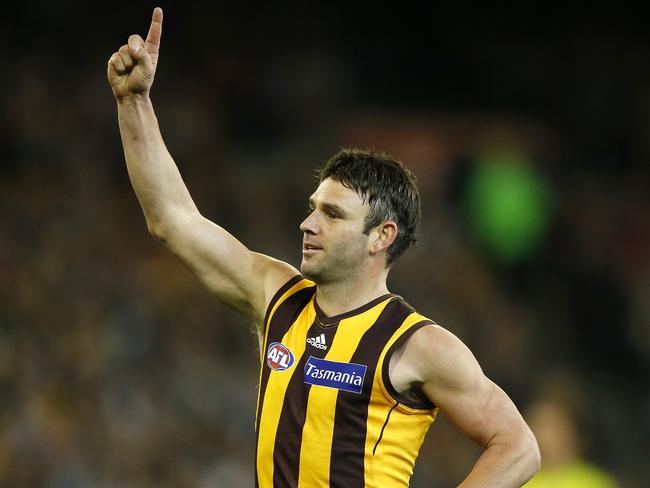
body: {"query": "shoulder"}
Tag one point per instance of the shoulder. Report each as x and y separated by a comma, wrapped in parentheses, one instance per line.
(434, 355)
(274, 272)
(433, 342)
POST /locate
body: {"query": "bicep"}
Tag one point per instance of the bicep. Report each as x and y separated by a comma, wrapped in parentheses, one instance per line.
(455, 382)
(242, 279)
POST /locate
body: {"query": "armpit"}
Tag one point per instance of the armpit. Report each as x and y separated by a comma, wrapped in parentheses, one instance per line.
(399, 385)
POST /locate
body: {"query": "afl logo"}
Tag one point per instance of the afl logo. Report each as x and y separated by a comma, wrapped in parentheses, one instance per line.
(279, 357)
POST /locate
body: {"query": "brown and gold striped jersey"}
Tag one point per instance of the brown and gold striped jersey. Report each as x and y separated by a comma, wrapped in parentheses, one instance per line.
(327, 414)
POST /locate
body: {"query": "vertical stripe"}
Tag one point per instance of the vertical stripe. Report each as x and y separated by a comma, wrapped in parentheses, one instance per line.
(280, 318)
(349, 439)
(389, 460)
(318, 429)
(288, 436)
(278, 321)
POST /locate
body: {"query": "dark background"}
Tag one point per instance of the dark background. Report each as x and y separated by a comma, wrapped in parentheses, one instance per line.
(118, 369)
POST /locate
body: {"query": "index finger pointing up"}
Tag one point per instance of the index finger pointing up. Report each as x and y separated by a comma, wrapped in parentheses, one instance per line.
(155, 32)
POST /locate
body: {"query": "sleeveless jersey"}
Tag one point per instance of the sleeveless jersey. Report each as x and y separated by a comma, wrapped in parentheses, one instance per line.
(327, 414)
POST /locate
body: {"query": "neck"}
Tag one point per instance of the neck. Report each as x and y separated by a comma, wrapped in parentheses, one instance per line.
(342, 296)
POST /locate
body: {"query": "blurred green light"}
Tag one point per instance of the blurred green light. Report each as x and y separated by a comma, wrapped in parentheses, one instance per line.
(508, 206)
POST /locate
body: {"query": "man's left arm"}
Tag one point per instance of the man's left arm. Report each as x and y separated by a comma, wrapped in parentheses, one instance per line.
(448, 374)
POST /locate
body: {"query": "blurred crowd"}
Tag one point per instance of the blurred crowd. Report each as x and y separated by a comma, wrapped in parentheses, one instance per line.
(118, 369)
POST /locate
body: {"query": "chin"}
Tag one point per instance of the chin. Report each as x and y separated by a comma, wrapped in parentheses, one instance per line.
(310, 273)
(306, 272)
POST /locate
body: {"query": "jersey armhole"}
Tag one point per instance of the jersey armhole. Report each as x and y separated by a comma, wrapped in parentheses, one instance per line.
(281, 291)
(390, 389)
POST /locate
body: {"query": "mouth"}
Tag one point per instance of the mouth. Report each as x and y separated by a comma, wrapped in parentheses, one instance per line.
(308, 249)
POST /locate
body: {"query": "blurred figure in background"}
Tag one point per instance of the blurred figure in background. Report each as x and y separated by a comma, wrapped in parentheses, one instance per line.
(563, 464)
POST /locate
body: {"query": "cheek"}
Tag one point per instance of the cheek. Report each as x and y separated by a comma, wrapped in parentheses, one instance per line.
(352, 244)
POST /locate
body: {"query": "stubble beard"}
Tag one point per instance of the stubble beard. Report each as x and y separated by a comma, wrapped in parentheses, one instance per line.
(335, 265)
(315, 272)
(326, 271)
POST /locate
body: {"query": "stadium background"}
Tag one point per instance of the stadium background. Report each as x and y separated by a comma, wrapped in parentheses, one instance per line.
(529, 131)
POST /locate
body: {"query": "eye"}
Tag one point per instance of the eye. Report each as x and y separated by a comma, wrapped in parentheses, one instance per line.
(332, 215)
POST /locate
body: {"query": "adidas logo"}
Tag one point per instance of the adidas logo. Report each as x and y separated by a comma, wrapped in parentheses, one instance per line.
(318, 342)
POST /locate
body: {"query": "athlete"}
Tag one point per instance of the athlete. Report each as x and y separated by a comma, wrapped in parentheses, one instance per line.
(351, 376)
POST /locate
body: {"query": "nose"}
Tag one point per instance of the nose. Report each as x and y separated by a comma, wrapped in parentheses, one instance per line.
(310, 225)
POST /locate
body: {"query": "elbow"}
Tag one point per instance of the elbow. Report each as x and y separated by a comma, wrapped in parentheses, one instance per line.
(163, 225)
(524, 454)
(531, 455)
(157, 231)
(535, 462)
(167, 227)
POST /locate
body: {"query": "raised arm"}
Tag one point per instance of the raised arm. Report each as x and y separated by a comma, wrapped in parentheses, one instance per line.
(241, 278)
(445, 370)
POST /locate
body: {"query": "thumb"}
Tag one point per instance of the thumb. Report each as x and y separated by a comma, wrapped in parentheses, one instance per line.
(140, 54)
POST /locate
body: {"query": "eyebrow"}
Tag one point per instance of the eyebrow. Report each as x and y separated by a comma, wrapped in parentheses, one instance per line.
(332, 207)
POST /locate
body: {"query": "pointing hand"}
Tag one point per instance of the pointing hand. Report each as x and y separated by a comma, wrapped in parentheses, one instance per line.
(132, 68)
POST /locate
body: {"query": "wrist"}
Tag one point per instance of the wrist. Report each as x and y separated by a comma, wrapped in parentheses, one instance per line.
(134, 99)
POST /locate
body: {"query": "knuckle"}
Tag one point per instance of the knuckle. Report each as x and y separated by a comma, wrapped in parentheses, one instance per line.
(126, 59)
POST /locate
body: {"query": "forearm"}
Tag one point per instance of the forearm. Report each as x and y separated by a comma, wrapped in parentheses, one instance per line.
(504, 465)
(155, 178)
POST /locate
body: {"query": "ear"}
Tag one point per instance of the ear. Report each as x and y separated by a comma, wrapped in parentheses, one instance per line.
(382, 237)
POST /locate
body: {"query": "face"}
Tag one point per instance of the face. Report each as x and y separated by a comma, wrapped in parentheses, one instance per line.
(334, 245)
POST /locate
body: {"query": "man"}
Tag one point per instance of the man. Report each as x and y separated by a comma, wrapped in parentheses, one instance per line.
(351, 375)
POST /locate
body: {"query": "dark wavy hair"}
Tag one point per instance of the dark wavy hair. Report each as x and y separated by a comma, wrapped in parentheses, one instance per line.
(386, 185)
